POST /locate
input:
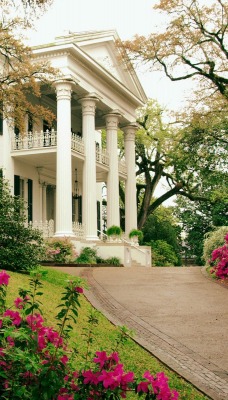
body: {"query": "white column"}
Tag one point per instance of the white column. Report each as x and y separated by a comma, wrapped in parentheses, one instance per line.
(8, 160)
(130, 187)
(89, 204)
(63, 165)
(113, 210)
(44, 202)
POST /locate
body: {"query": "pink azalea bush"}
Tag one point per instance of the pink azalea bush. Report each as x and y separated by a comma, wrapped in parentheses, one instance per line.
(219, 260)
(36, 363)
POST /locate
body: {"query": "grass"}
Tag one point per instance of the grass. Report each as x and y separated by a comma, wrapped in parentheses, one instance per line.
(105, 334)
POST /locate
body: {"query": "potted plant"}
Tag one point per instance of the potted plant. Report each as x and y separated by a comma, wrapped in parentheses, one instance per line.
(114, 232)
(135, 235)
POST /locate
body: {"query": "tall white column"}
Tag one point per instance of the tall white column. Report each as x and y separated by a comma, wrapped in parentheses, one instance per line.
(89, 205)
(63, 167)
(130, 187)
(8, 160)
(113, 210)
(44, 202)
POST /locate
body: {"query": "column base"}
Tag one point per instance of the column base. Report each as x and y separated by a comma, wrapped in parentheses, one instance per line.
(64, 234)
(92, 238)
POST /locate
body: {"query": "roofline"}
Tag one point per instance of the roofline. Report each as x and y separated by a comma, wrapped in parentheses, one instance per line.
(77, 50)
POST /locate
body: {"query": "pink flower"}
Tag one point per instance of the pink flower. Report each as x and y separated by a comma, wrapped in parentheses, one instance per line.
(143, 387)
(10, 341)
(64, 359)
(4, 278)
(90, 377)
(78, 289)
(19, 302)
(14, 315)
(35, 321)
(101, 358)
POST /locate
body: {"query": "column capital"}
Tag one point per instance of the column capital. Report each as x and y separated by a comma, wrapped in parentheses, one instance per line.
(63, 89)
(112, 120)
(129, 131)
(88, 105)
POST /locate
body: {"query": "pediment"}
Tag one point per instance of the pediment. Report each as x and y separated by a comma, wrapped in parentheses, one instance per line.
(100, 46)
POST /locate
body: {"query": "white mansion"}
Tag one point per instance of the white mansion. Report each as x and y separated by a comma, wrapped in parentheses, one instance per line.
(60, 171)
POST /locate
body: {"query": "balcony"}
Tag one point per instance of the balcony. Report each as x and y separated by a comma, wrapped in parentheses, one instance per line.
(30, 141)
(34, 140)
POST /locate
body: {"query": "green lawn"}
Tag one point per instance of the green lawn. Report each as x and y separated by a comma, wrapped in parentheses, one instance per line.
(132, 355)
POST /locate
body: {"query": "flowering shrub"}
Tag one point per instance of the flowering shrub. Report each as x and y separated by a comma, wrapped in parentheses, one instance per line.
(60, 251)
(36, 362)
(219, 260)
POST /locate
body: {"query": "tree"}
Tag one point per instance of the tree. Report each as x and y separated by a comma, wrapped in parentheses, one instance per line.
(162, 228)
(163, 156)
(193, 43)
(20, 74)
(197, 219)
(20, 246)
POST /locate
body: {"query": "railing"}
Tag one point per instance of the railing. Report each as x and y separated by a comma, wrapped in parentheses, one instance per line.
(78, 230)
(46, 227)
(122, 167)
(142, 256)
(34, 140)
(77, 144)
(102, 156)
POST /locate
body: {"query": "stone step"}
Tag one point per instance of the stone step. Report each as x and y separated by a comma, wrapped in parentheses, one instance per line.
(135, 263)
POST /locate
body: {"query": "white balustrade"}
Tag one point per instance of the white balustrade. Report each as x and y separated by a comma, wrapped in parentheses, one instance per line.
(122, 167)
(77, 143)
(78, 230)
(46, 227)
(34, 140)
(102, 156)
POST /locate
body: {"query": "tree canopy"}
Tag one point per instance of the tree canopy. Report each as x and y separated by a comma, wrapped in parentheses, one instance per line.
(20, 74)
(192, 44)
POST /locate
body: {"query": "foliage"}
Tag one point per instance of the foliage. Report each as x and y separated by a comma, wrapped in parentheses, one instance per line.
(60, 250)
(112, 261)
(36, 362)
(163, 254)
(88, 255)
(136, 232)
(192, 43)
(162, 226)
(188, 164)
(197, 219)
(114, 231)
(213, 240)
(21, 75)
(105, 335)
(21, 246)
(219, 260)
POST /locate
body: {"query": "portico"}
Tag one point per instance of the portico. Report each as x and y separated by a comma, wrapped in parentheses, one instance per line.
(94, 94)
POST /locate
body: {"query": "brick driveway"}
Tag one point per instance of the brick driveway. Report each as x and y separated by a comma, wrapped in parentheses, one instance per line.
(178, 314)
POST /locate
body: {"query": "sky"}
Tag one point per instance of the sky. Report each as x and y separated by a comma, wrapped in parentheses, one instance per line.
(128, 18)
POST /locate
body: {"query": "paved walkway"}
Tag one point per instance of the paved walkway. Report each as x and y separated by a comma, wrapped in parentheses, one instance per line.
(178, 315)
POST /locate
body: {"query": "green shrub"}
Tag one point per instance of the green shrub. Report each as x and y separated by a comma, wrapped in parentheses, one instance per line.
(136, 232)
(112, 261)
(213, 240)
(88, 255)
(21, 247)
(60, 250)
(114, 231)
(163, 254)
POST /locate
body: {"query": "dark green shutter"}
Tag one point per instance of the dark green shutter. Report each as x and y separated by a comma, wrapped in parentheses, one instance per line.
(30, 186)
(80, 209)
(16, 185)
